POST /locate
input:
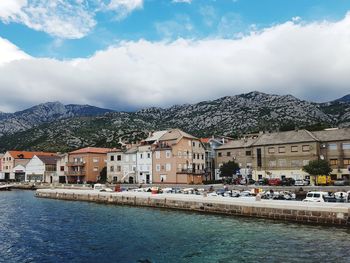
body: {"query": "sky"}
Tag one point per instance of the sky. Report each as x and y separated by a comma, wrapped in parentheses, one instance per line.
(132, 54)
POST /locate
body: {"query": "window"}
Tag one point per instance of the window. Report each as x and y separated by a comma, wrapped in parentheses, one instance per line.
(62, 168)
(119, 168)
(306, 148)
(219, 154)
(202, 156)
(193, 144)
(148, 155)
(294, 149)
(272, 163)
(295, 163)
(167, 154)
(95, 160)
(346, 146)
(332, 146)
(347, 161)
(198, 156)
(248, 153)
(168, 167)
(158, 167)
(194, 156)
(119, 157)
(157, 154)
(95, 169)
(112, 158)
(271, 150)
(281, 149)
(111, 168)
(333, 161)
(228, 154)
(141, 156)
(282, 163)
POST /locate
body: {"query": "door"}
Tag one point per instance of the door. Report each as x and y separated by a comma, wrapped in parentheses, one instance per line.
(147, 178)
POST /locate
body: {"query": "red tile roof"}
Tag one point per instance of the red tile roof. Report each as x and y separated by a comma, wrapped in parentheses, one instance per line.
(204, 140)
(92, 150)
(28, 155)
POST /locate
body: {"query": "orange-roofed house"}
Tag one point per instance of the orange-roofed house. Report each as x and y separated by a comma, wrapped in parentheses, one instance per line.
(13, 159)
(86, 164)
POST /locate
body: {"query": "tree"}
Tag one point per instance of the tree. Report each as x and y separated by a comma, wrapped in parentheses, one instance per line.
(318, 167)
(228, 169)
(103, 175)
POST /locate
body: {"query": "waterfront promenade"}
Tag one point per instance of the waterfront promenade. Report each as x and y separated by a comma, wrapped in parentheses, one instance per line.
(312, 213)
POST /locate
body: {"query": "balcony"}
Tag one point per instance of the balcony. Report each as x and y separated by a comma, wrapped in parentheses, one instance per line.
(76, 164)
(74, 173)
(190, 171)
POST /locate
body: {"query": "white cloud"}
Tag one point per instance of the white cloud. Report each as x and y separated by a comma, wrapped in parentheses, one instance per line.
(9, 52)
(310, 61)
(124, 7)
(62, 18)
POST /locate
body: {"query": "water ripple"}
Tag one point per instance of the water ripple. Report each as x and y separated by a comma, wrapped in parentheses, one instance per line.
(43, 230)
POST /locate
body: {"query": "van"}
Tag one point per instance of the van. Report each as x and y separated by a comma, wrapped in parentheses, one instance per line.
(315, 197)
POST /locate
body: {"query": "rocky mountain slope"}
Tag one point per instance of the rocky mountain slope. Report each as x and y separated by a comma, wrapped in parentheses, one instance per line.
(232, 115)
(44, 113)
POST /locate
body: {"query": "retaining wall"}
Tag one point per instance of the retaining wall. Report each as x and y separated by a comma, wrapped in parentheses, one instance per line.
(315, 213)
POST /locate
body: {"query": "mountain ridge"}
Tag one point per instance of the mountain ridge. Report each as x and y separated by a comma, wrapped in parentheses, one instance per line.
(229, 115)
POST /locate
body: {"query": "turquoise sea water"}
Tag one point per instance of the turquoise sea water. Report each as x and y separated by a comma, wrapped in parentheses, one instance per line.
(43, 230)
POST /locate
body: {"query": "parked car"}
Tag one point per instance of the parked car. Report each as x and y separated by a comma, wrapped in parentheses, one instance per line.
(262, 181)
(287, 181)
(315, 197)
(341, 182)
(274, 181)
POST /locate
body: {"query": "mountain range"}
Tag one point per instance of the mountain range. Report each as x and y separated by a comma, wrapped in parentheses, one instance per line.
(56, 127)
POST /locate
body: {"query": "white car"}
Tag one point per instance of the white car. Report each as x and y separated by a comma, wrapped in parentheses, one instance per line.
(315, 197)
(102, 188)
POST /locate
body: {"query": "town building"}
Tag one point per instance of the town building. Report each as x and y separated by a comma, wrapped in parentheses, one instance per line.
(334, 146)
(210, 146)
(87, 165)
(144, 164)
(178, 157)
(115, 166)
(130, 165)
(283, 154)
(61, 169)
(41, 168)
(2, 176)
(14, 162)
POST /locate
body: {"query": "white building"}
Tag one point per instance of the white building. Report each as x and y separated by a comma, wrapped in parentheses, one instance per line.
(130, 165)
(144, 164)
(41, 169)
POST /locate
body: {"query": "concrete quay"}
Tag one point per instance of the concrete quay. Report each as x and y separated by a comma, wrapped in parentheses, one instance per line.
(334, 214)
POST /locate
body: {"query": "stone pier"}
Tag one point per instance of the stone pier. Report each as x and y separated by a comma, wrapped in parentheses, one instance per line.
(337, 214)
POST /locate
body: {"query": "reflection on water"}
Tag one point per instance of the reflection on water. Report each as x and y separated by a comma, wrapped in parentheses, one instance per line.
(43, 230)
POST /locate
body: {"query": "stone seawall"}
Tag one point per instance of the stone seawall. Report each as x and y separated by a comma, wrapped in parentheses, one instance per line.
(337, 214)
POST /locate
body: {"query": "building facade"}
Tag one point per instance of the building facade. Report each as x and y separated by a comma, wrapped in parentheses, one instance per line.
(41, 169)
(11, 159)
(86, 165)
(283, 154)
(178, 157)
